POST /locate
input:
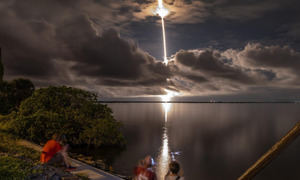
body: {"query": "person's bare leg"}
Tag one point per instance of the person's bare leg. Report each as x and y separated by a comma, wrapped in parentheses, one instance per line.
(66, 156)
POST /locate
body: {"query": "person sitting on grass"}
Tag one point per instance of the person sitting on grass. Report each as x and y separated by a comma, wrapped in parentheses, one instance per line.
(54, 153)
(173, 173)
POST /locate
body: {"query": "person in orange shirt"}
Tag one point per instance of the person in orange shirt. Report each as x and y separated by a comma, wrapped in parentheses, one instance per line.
(54, 153)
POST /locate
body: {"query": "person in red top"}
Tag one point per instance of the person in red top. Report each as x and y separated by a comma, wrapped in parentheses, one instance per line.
(144, 171)
(54, 153)
(51, 148)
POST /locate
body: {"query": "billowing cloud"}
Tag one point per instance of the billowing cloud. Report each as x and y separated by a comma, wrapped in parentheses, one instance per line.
(108, 56)
(211, 63)
(207, 71)
(77, 43)
(73, 51)
(258, 55)
(282, 62)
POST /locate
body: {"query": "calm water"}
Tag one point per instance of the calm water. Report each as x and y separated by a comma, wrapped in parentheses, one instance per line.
(216, 141)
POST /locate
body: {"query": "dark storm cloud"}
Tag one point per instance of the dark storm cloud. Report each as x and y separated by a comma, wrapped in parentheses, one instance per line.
(294, 30)
(244, 10)
(110, 57)
(279, 64)
(77, 43)
(211, 63)
(198, 79)
(26, 50)
(258, 55)
(67, 47)
(208, 71)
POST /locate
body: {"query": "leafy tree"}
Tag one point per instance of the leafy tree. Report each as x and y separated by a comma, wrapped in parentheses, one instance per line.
(5, 96)
(1, 68)
(13, 93)
(1, 71)
(22, 89)
(69, 111)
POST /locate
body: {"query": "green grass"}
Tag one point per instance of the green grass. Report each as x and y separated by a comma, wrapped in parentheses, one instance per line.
(9, 146)
(15, 161)
(13, 168)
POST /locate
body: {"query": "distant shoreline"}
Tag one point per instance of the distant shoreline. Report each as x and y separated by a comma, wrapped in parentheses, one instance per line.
(204, 102)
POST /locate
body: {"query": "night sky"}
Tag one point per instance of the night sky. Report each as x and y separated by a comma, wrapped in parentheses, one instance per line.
(237, 49)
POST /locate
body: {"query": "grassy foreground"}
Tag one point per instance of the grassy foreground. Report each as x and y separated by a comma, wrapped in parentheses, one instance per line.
(16, 162)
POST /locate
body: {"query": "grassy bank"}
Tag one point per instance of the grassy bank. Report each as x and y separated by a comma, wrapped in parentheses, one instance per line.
(16, 162)
(19, 162)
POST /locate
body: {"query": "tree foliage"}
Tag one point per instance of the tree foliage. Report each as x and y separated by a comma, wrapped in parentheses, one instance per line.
(13, 93)
(1, 71)
(1, 68)
(69, 111)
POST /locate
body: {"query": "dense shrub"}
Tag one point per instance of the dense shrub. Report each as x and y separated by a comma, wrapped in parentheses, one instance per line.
(1, 67)
(13, 93)
(69, 111)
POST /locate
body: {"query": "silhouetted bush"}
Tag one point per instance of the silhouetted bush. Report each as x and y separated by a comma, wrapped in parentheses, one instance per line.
(69, 111)
(13, 93)
(1, 69)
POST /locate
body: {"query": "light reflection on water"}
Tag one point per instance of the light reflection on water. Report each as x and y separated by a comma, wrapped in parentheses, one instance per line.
(164, 154)
(166, 108)
(217, 141)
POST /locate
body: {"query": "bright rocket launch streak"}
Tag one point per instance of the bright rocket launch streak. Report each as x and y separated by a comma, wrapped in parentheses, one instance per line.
(162, 12)
(160, 4)
(164, 40)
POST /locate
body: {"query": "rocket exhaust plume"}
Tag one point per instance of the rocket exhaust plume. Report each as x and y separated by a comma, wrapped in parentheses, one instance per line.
(162, 12)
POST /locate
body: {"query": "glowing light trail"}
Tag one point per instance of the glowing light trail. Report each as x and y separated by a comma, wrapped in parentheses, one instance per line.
(162, 12)
(164, 156)
(164, 39)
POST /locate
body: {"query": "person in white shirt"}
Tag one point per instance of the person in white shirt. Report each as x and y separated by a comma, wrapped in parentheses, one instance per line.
(173, 173)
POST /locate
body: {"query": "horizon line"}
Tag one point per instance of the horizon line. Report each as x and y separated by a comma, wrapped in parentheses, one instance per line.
(184, 101)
